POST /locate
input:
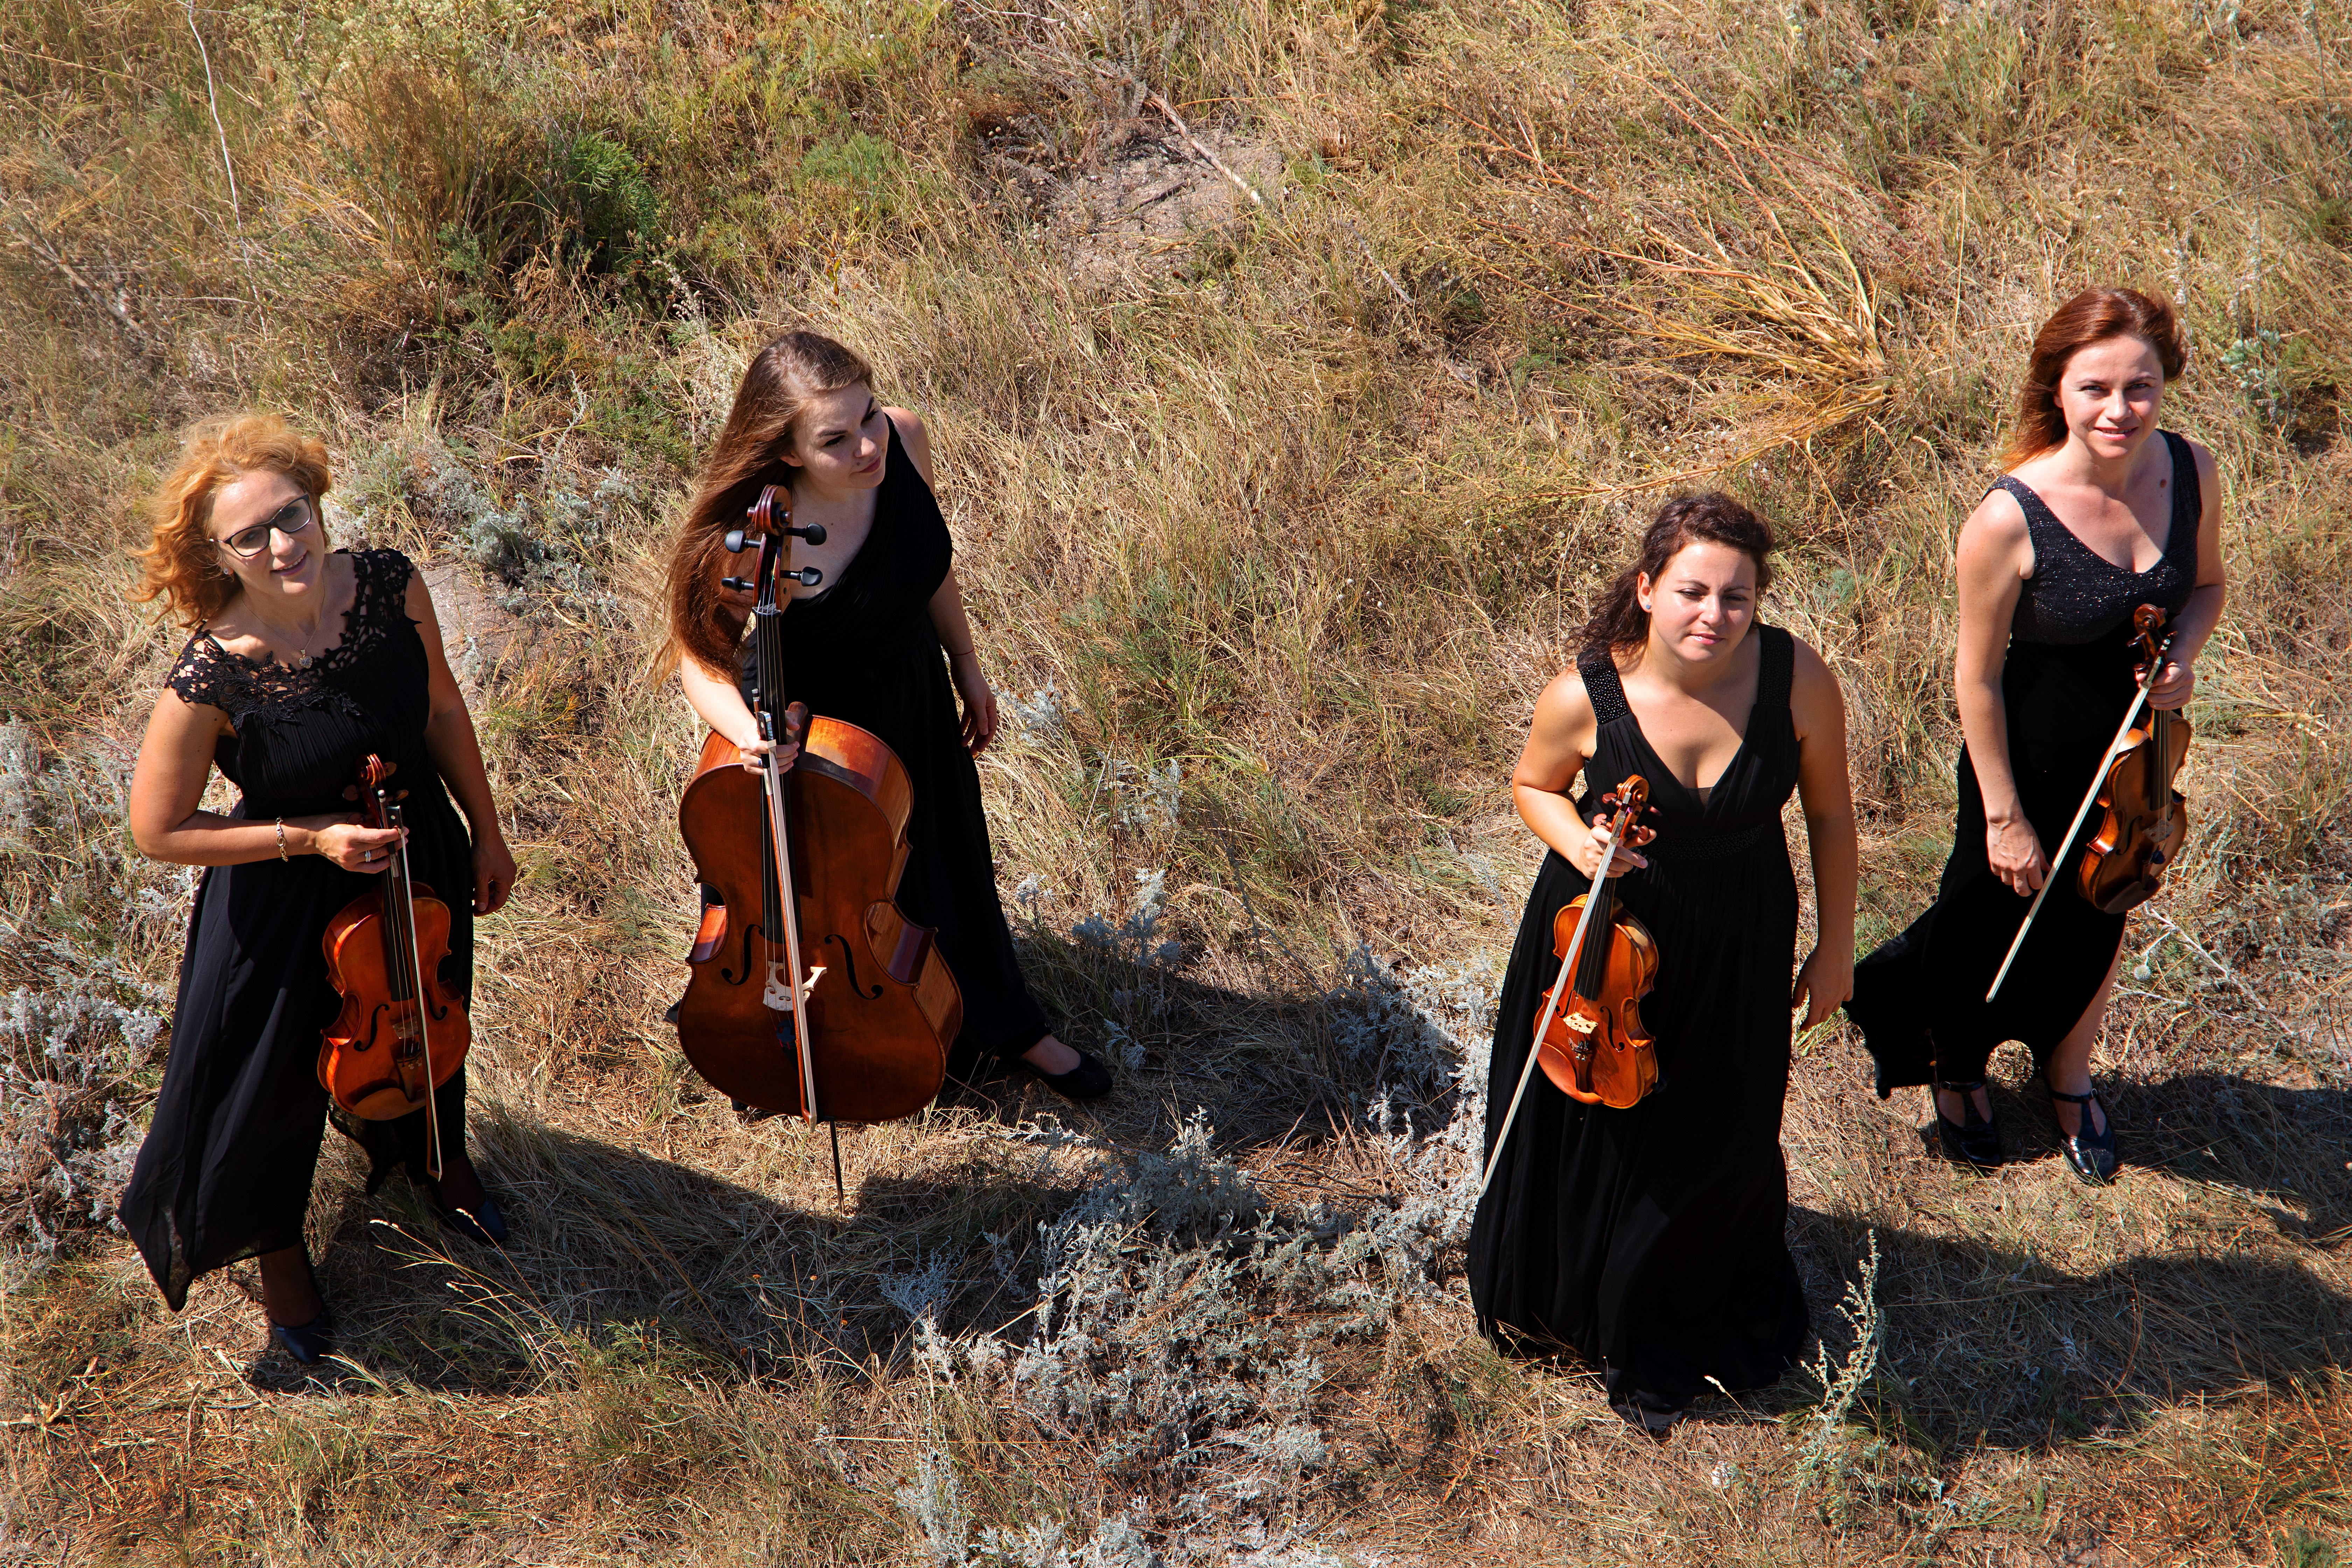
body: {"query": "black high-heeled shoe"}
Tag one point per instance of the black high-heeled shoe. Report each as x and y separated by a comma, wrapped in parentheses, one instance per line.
(2092, 1154)
(1974, 1140)
(309, 1344)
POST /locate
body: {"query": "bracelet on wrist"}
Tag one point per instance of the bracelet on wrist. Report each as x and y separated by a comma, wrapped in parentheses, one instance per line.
(281, 838)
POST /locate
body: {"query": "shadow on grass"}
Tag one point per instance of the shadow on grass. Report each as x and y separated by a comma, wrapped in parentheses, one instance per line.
(614, 1246)
(2288, 1145)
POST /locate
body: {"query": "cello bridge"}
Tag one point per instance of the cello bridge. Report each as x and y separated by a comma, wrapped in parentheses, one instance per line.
(778, 993)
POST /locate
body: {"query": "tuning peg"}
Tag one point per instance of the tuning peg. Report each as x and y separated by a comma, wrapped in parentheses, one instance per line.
(740, 585)
(814, 533)
(736, 542)
(807, 576)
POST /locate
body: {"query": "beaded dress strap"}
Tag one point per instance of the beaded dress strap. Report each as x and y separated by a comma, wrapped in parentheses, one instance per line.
(1778, 673)
(1602, 689)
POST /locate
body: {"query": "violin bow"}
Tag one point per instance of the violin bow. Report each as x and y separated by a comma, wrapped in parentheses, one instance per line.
(2090, 798)
(393, 816)
(1551, 1008)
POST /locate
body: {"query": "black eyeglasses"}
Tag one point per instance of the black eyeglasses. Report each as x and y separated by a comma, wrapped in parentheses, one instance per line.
(294, 518)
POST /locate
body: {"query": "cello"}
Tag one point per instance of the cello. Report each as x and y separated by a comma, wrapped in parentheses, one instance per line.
(811, 993)
(400, 1035)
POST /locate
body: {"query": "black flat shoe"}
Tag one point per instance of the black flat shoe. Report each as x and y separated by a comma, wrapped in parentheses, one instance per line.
(1087, 1081)
(482, 1224)
(311, 1342)
(1972, 1141)
(2093, 1155)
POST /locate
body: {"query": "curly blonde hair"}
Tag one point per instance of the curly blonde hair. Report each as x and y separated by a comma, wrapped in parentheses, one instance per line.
(180, 563)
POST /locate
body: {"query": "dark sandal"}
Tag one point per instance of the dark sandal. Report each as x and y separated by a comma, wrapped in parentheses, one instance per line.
(2093, 1155)
(1974, 1140)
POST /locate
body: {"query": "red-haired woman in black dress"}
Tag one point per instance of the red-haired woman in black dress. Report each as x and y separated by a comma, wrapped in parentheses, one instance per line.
(304, 661)
(2095, 516)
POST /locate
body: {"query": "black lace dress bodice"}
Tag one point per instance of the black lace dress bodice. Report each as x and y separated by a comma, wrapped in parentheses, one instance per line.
(225, 1171)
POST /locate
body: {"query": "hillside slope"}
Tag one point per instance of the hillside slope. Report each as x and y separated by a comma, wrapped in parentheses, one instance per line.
(1295, 373)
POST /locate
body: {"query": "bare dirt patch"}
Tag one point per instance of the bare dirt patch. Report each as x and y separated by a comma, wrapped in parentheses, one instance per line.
(1141, 214)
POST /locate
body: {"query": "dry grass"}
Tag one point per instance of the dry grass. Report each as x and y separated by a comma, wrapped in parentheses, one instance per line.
(1290, 510)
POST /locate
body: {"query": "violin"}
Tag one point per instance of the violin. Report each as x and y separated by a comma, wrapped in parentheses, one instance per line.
(828, 1004)
(2145, 820)
(401, 1034)
(1591, 1041)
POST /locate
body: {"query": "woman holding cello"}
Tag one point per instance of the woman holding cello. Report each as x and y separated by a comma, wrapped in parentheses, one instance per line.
(2095, 519)
(1648, 1238)
(304, 662)
(863, 645)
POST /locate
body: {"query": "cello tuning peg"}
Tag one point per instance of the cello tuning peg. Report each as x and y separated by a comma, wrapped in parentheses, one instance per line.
(740, 585)
(807, 576)
(814, 533)
(736, 541)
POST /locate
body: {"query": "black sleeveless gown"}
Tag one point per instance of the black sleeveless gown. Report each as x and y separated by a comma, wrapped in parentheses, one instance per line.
(1651, 1241)
(225, 1171)
(864, 651)
(1919, 1000)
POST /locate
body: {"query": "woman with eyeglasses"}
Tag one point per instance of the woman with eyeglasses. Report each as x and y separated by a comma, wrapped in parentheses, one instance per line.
(303, 661)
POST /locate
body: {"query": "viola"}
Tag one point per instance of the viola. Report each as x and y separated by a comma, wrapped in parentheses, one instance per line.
(811, 993)
(401, 1034)
(1591, 1042)
(2144, 819)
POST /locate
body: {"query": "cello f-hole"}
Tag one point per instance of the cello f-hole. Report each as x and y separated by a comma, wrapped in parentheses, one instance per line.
(738, 978)
(849, 961)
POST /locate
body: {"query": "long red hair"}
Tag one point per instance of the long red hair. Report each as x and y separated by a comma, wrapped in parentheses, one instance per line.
(2093, 316)
(777, 389)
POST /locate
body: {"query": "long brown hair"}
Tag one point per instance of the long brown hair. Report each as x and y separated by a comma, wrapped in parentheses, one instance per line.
(784, 379)
(2093, 316)
(1618, 622)
(179, 563)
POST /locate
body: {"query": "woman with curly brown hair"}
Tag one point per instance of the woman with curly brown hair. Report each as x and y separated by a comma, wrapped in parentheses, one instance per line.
(1649, 1241)
(302, 662)
(864, 646)
(2094, 517)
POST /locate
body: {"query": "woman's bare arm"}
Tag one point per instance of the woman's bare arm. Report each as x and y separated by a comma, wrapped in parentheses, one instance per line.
(1995, 557)
(1559, 742)
(456, 752)
(1826, 791)
(167, 787)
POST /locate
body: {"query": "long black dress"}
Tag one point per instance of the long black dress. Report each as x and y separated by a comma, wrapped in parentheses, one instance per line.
(1650, 1241)
(224, 1172)
(864, 651)
(2065, 682)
